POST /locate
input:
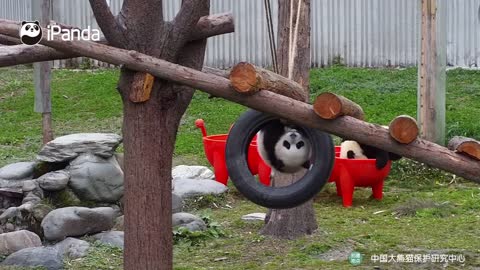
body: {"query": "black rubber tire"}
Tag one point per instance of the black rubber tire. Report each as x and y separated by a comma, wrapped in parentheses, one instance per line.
(289, 196)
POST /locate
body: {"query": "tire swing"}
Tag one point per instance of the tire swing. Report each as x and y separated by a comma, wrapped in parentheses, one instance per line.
(240, 136)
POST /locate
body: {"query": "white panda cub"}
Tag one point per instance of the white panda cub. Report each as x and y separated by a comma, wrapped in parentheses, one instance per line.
(351, 150)
(284, 148)
(354, 150)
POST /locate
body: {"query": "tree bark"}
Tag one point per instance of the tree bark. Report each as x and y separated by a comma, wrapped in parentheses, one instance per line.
(403, 129)
(298, 221)
(330, 106)
(464, 145)
(249, 79)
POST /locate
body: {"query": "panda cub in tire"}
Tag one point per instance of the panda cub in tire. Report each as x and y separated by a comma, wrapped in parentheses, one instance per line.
(283, 147)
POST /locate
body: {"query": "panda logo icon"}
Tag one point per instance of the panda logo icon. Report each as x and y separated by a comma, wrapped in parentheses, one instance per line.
(30, 33)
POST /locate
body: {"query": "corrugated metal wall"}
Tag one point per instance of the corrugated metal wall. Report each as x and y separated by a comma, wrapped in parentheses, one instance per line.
(369, 33)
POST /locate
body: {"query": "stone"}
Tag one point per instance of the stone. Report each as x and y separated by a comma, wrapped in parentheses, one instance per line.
(189, 221)
(254, 217)
(15, 241)
(40, 211)
(17, 171)
(47, 257)
(72, 248)
(120, 159)
(192, 172)
(10, 197)
(11, 184)
(29, 185)
(77, 221)
(177, 203)
(54, 181)
(96, 179)
(119, 221)
(186, 188)
(9, 213)
(113, 238)
(70, 146)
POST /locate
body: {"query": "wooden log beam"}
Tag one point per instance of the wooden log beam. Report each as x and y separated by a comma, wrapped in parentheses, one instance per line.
(207, 26)
(7, 40)
(249, 79)
(403, 129)
(330, 106)
(466, 146)
(284, 107)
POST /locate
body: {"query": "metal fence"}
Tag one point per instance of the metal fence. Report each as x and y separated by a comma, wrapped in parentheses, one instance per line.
(367, 33)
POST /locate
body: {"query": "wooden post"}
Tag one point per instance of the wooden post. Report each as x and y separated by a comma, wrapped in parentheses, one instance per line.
(431, 72)
(41, 11)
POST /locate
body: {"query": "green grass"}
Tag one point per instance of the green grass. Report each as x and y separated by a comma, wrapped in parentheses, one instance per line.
(424, 210)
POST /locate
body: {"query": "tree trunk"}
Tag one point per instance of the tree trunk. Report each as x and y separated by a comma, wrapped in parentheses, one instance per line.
(298, 221)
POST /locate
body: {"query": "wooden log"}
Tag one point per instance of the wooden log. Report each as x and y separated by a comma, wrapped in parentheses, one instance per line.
(284, 107)
(7, 40)
(141, 87)
(466, 146)
(330, 106)
(249, 79)
(403, 129)
(207, 26)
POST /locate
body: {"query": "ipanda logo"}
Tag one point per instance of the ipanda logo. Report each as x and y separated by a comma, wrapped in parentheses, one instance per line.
(31, 33)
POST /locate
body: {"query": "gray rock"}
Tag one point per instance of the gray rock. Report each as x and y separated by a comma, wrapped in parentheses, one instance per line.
(193, 172)
(48, 257)
(119, 223)
(40, 211)
(254, 217)
(11, 184)
(77, 221)
(185, 187)
(17, 171)
(189, 221)
(114, 238)
(54, 181)
(14, 241)
(72, 248)
(177, 203)
(29, 185)
(70, 146)
(9, 213)
(120, 159)
(96, 179)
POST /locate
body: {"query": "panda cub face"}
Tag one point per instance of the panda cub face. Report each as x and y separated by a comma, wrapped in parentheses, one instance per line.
(30, 33)
(284, 148)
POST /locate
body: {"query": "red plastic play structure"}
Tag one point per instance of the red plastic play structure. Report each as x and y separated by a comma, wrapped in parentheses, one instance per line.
(350, 173)
(214, 146)
(347, 173)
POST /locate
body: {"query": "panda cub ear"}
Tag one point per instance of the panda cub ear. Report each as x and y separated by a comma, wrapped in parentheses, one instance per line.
(37, 23)
(24, 22)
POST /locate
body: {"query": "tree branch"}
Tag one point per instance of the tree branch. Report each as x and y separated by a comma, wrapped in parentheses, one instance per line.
(187, 17)
(207, 26)
(109, 26)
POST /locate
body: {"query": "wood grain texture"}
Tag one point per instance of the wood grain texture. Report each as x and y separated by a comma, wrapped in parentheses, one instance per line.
(330, 106)
(466, 146)
(248, 79)
(403, 129)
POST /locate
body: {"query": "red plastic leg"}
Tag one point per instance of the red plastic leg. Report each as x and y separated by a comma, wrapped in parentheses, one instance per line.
(264, 174)
(377, 190)
(347, 186)
(339, 188)
(219, 165)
